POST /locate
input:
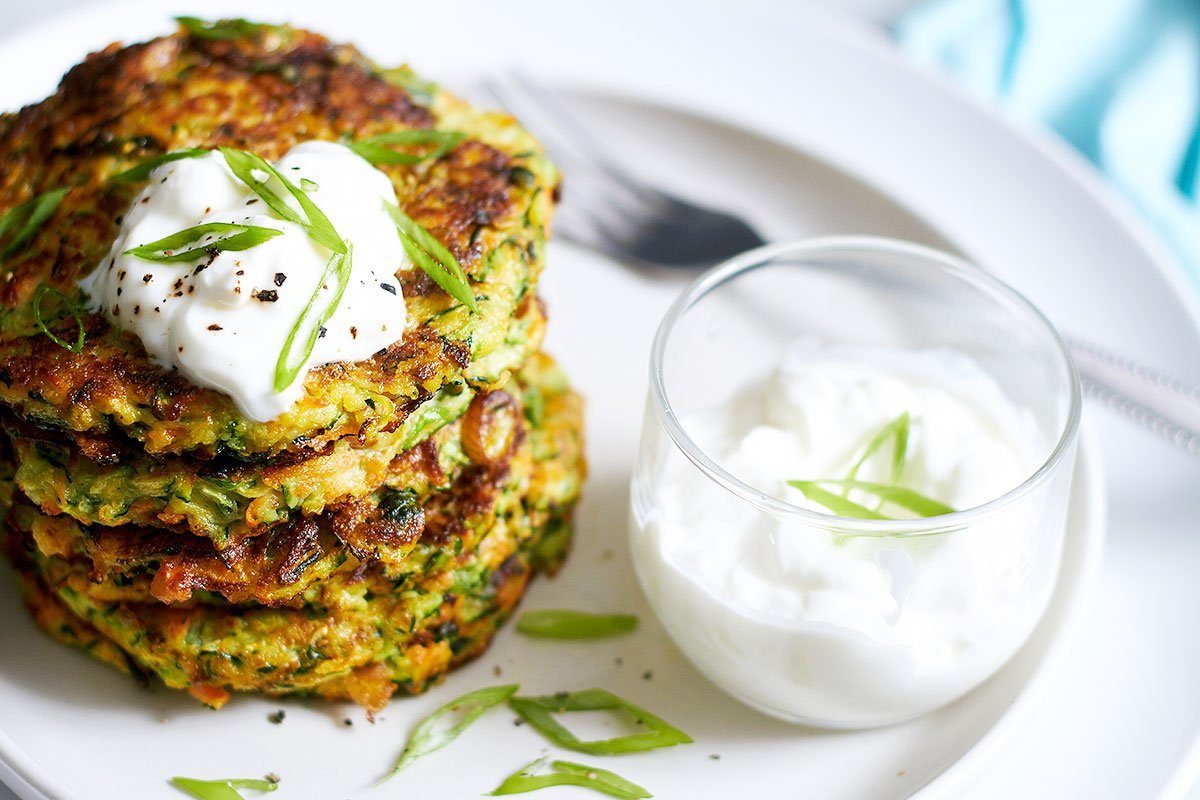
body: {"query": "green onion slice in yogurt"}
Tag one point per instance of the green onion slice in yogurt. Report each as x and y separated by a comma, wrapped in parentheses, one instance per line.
(899, 496)
(822, 490)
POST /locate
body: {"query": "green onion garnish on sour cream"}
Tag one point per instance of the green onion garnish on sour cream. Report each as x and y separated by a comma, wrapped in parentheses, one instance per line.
(257, 173)
(200, 240)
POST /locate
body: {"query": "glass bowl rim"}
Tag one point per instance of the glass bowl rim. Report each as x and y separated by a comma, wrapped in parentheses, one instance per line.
(948, 264)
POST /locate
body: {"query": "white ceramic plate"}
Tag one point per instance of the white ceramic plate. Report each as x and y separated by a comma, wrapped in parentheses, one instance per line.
(813, 127)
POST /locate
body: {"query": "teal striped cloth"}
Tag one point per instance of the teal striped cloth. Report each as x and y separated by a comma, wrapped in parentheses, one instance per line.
(1118, 79)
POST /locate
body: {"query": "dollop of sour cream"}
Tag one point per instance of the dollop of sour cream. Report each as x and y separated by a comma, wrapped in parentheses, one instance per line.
(849, 630)
(222, 320)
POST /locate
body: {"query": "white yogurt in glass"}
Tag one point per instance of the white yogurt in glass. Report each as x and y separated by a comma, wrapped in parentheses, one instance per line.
(815, 625)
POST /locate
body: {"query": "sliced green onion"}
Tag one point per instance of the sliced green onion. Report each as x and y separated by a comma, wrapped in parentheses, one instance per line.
(908, 499)
(244, 165)
(897, 429)
(222, 29)
(561, 624)
(226, 789)
(309, 185)
(431, 734)
(539, 712)
(432, 256)
(287, 368)
(72, 309)
(420, 90)
(188, 245)
(20, 224)
(378, 150)
(142, 171)
(837, 504)
(567, 773)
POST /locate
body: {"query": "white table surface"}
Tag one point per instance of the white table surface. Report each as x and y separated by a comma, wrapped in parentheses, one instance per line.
(1166, 558)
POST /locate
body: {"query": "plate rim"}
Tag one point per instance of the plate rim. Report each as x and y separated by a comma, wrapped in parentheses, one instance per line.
(1045, 144)
(963, 772)
(30, 780)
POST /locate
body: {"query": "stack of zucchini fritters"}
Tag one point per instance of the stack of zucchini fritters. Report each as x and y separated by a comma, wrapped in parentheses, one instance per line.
(374, 535)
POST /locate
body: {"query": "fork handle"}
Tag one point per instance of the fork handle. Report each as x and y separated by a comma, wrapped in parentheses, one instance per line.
(1165, 405)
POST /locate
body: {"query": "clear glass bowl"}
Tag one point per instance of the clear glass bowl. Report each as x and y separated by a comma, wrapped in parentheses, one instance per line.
(989, 569)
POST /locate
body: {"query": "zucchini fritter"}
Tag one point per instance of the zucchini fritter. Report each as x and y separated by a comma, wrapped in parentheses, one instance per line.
(361, 622)
(376, 533)
(489, 200)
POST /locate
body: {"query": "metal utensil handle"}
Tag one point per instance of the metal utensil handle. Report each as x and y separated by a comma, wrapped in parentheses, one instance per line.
(1161, 403)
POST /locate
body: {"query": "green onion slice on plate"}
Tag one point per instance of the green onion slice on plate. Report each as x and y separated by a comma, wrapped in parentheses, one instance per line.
(201, 240)
(564, 624)
(539, 712)
(435, 732)
(225, 789)
(568, 773)
(381, 149)
(432, 256)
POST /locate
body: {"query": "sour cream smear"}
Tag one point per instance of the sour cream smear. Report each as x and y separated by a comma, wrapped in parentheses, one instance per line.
(223, 319)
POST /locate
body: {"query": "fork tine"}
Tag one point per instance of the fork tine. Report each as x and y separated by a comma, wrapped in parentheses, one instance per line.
(590, 147)
(623, 195)
(581, 229)
(593, 233)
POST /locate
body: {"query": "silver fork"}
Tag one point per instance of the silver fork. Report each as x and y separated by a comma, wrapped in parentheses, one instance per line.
(606, 208)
